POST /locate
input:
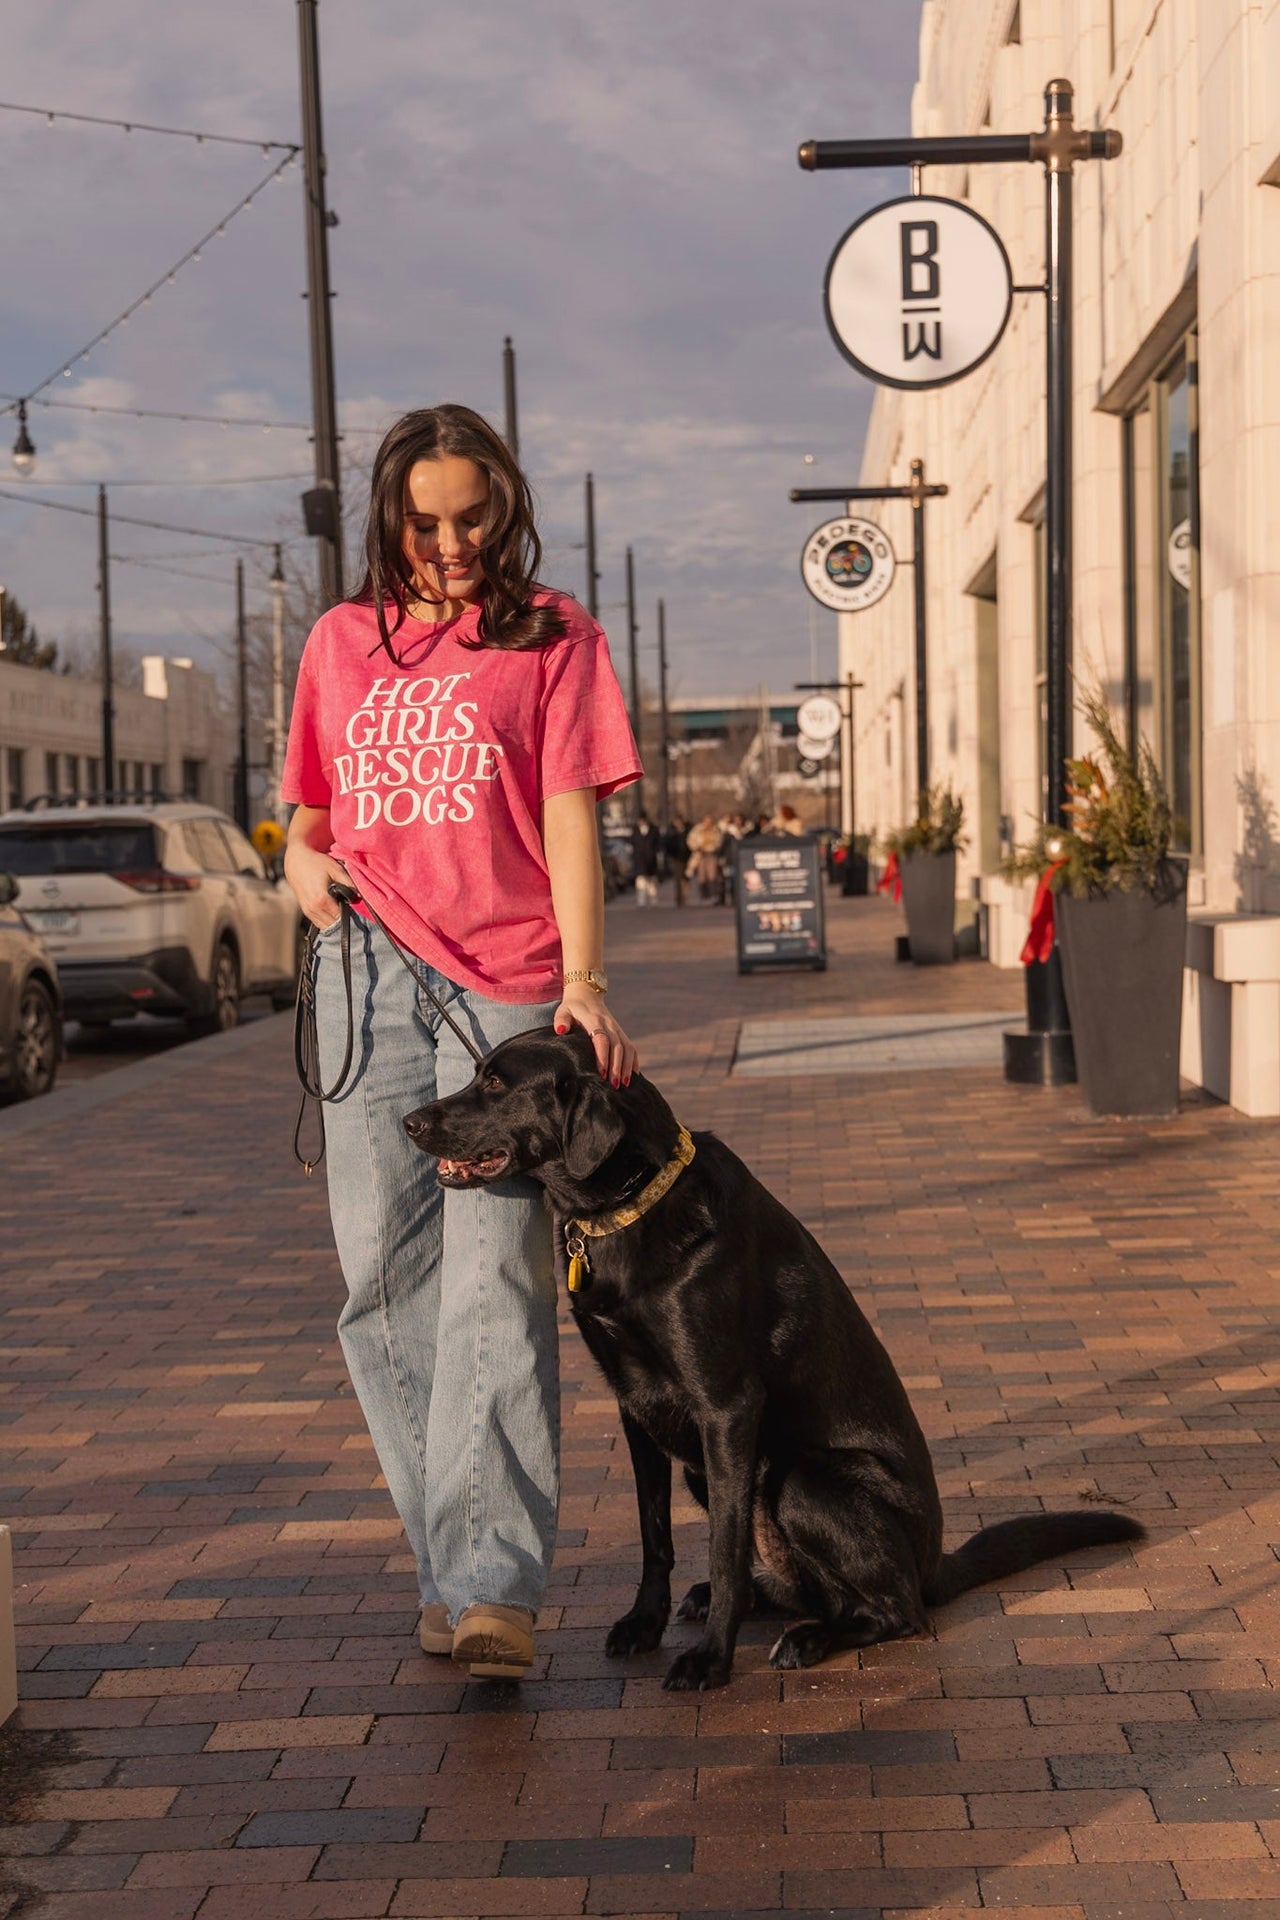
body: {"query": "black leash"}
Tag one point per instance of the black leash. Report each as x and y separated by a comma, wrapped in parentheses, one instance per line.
(306, 1040)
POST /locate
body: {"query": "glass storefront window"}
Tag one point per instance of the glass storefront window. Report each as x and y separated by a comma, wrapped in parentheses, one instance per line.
(1162, 580)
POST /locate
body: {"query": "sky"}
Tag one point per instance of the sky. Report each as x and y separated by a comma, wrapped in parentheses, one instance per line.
(613, 183)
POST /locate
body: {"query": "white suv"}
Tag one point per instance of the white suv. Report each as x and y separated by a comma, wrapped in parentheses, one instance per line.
(157, 907)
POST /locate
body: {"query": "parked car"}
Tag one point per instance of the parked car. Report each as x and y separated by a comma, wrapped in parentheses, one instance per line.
(158, 907)
(30, 1003)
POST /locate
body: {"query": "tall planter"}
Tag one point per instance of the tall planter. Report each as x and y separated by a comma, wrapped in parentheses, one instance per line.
(855, 873)
(1122, 961)
(929, 901)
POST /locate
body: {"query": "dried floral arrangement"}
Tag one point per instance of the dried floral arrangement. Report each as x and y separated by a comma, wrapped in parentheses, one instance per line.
(937, 828)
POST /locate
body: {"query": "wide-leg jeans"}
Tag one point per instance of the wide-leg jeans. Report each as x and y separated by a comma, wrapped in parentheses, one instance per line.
(449, 1331)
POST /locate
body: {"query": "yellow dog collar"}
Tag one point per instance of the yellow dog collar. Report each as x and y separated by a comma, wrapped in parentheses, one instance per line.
(575, 1244)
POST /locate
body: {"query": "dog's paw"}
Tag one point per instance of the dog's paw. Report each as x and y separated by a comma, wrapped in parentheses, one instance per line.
(697, 1602)
(635, 1633)
(697, 1670)
(801, 1645)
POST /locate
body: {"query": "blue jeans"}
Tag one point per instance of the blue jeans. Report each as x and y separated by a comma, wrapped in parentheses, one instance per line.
(449, 1331)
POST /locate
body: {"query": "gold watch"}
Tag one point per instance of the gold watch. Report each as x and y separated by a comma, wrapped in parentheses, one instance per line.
(593, 977)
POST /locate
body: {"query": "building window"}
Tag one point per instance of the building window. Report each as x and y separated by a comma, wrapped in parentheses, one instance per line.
(72, 763)
(155, 780)
(92, 767)
(51, 776)
(16, 762)
(193, 780)
(1162, 584)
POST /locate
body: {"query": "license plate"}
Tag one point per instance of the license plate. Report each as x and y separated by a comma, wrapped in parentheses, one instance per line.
(46, 920)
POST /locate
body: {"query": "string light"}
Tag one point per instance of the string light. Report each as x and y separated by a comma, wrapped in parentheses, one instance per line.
(193, 253)
(50, 114)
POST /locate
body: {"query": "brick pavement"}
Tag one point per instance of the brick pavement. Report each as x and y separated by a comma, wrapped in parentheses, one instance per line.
(217, 1612)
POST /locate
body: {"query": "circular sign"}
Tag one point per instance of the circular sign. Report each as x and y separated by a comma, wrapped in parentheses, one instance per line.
(918, 292)
(810, 749)
(847, 564)
(1180, 554)
(819, 716)
(808, 769)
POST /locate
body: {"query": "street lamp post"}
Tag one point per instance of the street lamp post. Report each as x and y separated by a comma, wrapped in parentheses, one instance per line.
(664, 722)
(104, 651)
(509, 396)
(633, 665)
(593, 576)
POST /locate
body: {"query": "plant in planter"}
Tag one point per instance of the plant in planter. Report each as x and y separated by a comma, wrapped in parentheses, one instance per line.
(922, 863)
(1119, 901)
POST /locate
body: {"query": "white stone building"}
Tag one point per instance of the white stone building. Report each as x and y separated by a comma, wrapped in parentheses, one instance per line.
(172, 736)
(1176, 503)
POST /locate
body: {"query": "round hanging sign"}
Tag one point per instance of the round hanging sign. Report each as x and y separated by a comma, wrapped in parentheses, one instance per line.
(810, 749)
(918, 292)
(848, 565)
(808, 769)
(819, 716)
(1180, 554)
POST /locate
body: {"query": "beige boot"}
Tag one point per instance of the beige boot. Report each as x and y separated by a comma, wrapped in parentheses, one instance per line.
(495, 1642)
(435, 1635)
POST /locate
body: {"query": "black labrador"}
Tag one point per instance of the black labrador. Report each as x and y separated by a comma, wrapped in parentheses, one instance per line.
(733, 1346)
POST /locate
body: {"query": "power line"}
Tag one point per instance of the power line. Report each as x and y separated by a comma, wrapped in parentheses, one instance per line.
(130, 520)
(143, 126)
(162, 566)
(192, 253)
(220, 480)
(158, 413)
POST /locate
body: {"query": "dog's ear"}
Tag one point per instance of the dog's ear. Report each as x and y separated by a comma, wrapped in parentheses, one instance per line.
(593, 1127)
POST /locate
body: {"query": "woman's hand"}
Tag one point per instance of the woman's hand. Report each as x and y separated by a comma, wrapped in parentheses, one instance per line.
(309, 872)
(615, 1055)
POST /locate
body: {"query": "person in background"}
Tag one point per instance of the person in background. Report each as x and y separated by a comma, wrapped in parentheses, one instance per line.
(644, 856)
(786, 820)
(675, 849)
(705, 842)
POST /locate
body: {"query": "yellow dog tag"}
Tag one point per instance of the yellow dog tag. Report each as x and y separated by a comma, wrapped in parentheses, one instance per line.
(579, 1272)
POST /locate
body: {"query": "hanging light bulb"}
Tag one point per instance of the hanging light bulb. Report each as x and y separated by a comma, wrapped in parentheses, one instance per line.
(24, 451)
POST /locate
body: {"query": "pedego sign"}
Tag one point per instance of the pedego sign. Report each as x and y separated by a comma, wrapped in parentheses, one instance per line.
(918, 292)
(848, 564)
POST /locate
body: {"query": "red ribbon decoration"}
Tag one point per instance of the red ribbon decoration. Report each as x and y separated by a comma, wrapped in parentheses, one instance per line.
(891, 878)
(1038, 944)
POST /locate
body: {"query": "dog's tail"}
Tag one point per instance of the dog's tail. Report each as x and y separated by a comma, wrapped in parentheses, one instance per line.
(1011, 1546)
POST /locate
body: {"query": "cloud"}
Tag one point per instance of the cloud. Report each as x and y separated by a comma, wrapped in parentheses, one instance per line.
(613, 184)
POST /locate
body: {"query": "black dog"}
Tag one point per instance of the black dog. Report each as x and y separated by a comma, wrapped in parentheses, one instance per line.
(733, 1346)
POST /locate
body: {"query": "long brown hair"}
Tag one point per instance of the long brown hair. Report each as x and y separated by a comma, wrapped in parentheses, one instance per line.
(510, 550)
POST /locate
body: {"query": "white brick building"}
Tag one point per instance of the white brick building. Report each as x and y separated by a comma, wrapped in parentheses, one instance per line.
(1177, 442)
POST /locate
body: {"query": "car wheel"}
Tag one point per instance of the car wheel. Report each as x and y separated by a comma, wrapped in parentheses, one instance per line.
(224, 1014)
(35, 1043)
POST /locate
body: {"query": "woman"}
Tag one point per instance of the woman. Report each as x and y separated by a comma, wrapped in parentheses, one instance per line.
(705, 842)
(453, 728)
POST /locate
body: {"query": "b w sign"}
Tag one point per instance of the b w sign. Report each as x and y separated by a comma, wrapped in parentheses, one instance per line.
(918, 292)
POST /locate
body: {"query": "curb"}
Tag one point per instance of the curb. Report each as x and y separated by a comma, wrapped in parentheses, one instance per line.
(73, 1103)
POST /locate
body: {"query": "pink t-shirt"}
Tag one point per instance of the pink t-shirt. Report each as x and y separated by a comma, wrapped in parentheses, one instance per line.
(434, 774)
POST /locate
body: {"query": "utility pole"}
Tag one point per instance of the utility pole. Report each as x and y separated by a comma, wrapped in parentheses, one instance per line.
(509, 395)
(322, 506)
(664, 741)
(593, 576)
(242, 679)
(277, 687)
(108, 676)
(633, 664)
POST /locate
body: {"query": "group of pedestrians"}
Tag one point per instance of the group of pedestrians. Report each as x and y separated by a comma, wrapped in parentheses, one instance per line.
(698, 854)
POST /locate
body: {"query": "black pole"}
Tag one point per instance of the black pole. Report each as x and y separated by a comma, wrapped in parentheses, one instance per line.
(593, 577)
(850, 684)
(633, 659)
(108, 676)
(324, 411)
(921, 621)
(242, 680)
(509, 395)
(1059, 467)
(664, 727)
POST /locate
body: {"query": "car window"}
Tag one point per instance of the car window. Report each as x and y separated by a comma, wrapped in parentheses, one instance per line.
(243, 855)
(90, 846)
(208, 845)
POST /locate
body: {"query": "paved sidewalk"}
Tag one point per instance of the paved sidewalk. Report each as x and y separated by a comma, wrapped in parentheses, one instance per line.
(216, 1611)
